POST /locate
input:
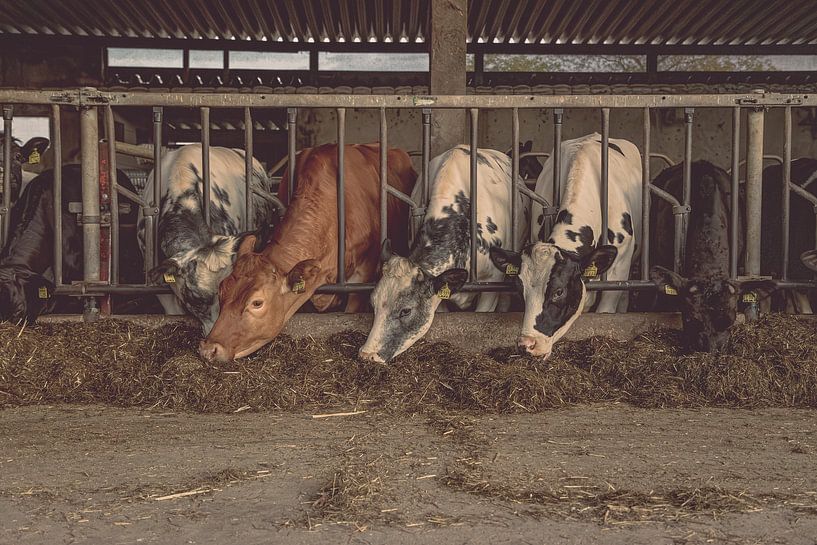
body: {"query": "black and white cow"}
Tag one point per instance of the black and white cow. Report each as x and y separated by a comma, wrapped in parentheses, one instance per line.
(553, 266)
(195, 257)
(26, 261)
(20, 154)
(702, 290)
(412, 288)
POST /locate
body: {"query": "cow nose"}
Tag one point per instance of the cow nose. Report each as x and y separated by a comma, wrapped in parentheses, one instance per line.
(213, 352)
(371, 356)
(525, 343)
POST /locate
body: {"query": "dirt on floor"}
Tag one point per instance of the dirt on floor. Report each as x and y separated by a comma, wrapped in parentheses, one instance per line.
(605, 473)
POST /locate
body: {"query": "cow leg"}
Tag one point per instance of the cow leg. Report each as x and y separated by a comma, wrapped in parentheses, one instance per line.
(504, 303)
(171, 305)
(802, 303)
(487, 302)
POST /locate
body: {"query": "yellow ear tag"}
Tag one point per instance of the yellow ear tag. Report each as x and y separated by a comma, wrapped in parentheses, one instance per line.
(750, 297)
(669, 290)
(299, 287)
(511, 269)
(34, 157)
(445, 292)
(169, 278)
(591, 272)
(43, 292)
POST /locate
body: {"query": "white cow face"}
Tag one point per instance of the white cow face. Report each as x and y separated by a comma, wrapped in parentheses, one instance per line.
(404, 303)
(550, 281)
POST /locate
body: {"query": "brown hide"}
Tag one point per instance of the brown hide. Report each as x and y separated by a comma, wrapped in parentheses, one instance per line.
(263, 290)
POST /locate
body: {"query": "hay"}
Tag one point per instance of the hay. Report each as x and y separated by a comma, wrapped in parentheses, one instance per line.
(772, 362)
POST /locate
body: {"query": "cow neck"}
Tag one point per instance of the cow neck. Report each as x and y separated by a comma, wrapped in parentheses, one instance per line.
(31, 238)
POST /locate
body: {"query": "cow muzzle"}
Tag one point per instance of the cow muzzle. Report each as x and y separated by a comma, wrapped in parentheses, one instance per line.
(213, 352)
(370, 356)
(529, 345)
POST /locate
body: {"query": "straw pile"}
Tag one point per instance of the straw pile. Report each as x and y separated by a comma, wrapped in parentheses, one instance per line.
(772, 362)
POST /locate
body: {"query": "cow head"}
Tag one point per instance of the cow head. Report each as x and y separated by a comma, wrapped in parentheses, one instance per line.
(529, 167)
(28, 152)
(708, 305)
(194, 275)
(24, 294)
(404, 302)
(256, 300)
(551, 282)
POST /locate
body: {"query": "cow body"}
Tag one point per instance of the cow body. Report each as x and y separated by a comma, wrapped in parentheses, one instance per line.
(405, 298)
(26, 262)
(195, 257)
(551, 268)
(265, 288)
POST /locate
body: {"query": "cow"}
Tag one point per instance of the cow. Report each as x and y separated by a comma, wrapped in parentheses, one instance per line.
(412, 288)
(26, 261)
(195, 257)
(266, 288)
(30, 152)
(553, 267)
(702, 290)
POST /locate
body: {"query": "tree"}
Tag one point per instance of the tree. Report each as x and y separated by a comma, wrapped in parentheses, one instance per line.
(624, 63)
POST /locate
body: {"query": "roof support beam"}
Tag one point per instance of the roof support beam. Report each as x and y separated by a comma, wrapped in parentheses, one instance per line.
(449, 32)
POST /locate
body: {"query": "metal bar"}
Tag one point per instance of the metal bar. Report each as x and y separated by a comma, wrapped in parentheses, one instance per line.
(680, 238)
(89, 126)
(662, 157)
(514, 175)
(56, 143)
(110, 130)
(292, 115)
(558, 116)
(735, 212)
(248, 170)
(664, 195)
(5, 210)
(384, 177)
(341, 196)
(646, 198)
(205, 163)
(605, 178)
(784, 266)
(426, 195)
(143, 152)
(152, 220)
(400, 196)
(474, 190)
(754, 188)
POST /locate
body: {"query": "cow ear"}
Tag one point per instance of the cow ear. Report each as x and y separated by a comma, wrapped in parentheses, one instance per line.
(602, 257)
(809, 259)
(247, 245)
(385, 251)
(452, 278)
(505, 260)
(304, 275)
(665, 278)
(764, 285)
(37, 144)
(526, 147)
(262, 237)
(164, 273)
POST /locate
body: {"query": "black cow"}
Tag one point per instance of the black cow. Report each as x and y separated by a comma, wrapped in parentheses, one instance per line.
(25, 153)
(703, 291)
(26, 289)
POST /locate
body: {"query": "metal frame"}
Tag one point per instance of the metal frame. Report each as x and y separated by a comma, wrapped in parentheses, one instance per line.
(89, 100)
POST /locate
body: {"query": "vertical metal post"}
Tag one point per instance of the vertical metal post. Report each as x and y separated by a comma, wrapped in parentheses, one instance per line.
(754, 188)
(205, 162)
(735, 212)
(784, 267)
(341, 196)
(645, 199)
(152, 216)
(110, 130)
(426, 195)
(474, 191)
(681, 237)
(558, 115)
(605, 168)
(384, 176)
(56, 143)
(5, 208)
(248, 170)
(514, 174)
(89, 136)
(292, 115)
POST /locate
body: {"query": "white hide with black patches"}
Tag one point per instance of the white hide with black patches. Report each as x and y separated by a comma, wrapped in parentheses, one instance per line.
(197, 255)
(405, 299)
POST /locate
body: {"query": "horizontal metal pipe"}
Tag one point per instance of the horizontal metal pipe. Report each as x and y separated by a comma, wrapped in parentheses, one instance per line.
(143, 152)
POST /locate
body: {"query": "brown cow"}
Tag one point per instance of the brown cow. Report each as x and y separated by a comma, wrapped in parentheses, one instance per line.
(265, 289)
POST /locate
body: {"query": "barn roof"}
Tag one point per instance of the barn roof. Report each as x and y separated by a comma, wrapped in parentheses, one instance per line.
(372, 22)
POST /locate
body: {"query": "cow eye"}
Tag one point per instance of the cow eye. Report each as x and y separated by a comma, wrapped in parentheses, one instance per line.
(258, 303)
(404, 312)
(558, 294)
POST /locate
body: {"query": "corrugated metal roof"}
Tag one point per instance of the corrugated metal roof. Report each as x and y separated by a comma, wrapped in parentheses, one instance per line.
(627, 22)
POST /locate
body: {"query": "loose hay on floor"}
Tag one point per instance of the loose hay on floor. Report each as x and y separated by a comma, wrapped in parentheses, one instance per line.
(772, 362)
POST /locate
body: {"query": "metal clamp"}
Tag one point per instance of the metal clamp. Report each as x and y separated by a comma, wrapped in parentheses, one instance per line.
(150, 211)
(90, 96)
(418, 211)
(550, 210)
(8, 113)
(764, 101)
(681, 209)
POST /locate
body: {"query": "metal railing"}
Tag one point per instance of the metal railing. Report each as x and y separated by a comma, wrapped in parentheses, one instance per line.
(90, 101)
